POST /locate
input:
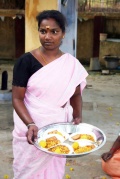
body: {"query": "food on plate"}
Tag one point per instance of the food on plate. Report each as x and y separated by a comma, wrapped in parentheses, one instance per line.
(60, 149)
(82, 146)
(42, 143)
(50, 142)
(76, 137)
(59, 132)
(55, 132)
(83, 136)
(75, 145)
(83, 149)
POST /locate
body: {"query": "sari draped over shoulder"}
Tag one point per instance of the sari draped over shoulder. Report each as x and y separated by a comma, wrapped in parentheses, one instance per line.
(47, 91)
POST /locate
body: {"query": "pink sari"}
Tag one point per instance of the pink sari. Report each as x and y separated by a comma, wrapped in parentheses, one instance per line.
(47, 90)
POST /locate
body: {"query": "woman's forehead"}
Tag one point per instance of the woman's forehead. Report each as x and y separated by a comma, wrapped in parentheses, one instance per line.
(49, 24)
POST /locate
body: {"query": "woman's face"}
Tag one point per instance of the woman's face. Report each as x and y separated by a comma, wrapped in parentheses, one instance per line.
(50, 34)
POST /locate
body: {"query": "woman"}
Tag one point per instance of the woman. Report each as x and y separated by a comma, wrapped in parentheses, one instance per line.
(111, 160)
(47, 87)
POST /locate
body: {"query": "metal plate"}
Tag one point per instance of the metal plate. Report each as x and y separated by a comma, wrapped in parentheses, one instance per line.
(70, 129)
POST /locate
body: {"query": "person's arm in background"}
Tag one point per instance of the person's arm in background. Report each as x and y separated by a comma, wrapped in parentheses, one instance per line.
(116, 145)
(18, 94)
(76, 103)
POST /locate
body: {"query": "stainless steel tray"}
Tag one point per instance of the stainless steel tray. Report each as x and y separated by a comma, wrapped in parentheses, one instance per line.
(70, 128)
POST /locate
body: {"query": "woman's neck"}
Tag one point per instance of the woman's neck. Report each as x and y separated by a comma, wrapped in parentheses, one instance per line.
(50, 54)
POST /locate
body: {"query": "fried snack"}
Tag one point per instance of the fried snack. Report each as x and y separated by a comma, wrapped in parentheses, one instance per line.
(83, 136)
(55, 132)
(52, 141)
(76, 137)
(83, 149)
(60, 149)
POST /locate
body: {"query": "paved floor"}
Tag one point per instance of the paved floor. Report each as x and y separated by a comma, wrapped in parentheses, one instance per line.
(101, 107)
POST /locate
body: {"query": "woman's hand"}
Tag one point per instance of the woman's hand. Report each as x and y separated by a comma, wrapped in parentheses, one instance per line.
(32, 134)
(77, 120)
(106, 156)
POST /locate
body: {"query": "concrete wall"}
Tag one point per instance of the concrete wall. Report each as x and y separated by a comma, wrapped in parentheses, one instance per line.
(32, 8)
(109, 48)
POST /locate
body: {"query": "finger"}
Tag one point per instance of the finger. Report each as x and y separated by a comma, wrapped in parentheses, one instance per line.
(30, 138)
(30, 141)
(35, 134)
(76, 121)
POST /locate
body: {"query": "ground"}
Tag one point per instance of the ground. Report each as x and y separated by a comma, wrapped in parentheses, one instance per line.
(101, 104)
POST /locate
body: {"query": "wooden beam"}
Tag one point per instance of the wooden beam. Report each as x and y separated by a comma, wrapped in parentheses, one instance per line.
(91, 15)
(11, 12)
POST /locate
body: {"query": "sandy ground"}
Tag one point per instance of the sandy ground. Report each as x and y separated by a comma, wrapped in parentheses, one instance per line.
(101, 107)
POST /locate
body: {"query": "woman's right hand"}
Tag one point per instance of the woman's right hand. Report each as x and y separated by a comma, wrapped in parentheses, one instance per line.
(106, 156)
(32, 134)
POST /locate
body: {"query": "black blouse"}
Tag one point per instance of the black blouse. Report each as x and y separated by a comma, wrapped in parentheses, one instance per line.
(24, 68)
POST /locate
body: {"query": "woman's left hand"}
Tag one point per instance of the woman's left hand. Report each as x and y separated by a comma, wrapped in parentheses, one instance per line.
(77, 120)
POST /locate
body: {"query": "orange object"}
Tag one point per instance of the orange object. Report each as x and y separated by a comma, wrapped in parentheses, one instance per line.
(112, 166)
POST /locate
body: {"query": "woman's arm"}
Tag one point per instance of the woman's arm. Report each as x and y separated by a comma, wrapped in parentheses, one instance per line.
(76, 103)
(116, 145)
(18, 94)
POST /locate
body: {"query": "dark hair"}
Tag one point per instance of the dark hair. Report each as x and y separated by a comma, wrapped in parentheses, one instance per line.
(55, 14)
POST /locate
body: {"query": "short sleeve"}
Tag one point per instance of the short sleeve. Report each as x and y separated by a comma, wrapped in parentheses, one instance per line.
(21, 72)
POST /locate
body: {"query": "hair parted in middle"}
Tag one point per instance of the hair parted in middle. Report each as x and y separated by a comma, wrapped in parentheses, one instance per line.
(54, 14)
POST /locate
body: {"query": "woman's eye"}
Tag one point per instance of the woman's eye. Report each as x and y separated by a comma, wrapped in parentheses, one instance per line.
(42, 31)
(54, 31)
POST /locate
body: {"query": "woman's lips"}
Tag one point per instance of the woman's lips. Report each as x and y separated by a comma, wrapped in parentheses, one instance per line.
(48, 43)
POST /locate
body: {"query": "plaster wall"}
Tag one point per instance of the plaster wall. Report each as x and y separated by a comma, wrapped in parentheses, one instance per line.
(32, 8)
(85, 40)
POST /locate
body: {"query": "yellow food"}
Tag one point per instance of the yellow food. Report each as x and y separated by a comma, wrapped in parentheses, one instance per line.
(42, 143)
(75, 145)
(87, 136)
(49, 142)
(83, 136)
(59, 133)
(57, 150)
(56, 132)
(52, 141)
(62, 149)
(84, 149)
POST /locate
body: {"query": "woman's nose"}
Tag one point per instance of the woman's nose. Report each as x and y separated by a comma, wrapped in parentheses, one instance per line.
(48, 35)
